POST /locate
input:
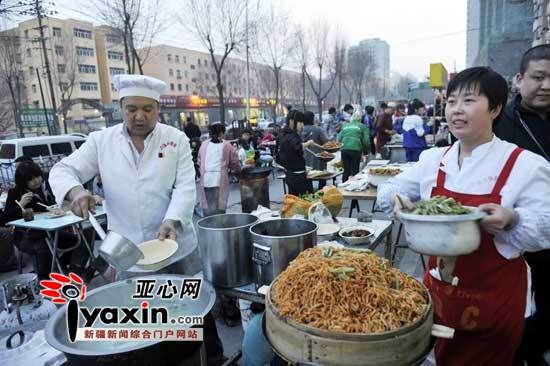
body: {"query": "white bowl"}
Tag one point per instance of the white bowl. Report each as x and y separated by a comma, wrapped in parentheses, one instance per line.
(357, 240)
(326, 231)
(443, 235)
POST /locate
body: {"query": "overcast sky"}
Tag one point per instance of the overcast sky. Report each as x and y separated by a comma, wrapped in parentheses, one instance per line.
(419, 32)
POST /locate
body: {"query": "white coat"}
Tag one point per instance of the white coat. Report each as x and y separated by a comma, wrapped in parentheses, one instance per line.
(138, 198)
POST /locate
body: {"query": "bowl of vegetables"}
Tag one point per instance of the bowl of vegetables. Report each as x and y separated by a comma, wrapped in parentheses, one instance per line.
(357, 235)
(442, 226)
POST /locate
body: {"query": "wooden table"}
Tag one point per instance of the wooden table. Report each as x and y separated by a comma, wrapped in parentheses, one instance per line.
(330, 176)
(368, 194)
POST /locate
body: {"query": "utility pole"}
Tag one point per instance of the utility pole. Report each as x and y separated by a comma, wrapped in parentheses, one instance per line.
(39, 15)
(43, 102)
(247, 69)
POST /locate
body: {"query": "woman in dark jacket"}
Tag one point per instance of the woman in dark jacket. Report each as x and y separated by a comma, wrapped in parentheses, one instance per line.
(291, 155)
(30, 190)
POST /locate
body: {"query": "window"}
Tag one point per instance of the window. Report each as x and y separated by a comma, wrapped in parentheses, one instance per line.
(84, 51)
(186, 87)
(199, 61)
(27, 34)
(206, 63)
(193, 80)
(79, 143)
(34, 88)
(112, 38)
(116, 70)
(200, 89)
(177, 59)
(61, 68)
(31, 71)
(34, 151)
(7, 151)
(169, 57)
(178, 73)
(61, 148)
(192, 67)
(179, 87)
(171, 72)
(172, 86)
(82, 33)
(184, 59)
(59, 50)
(35, 104)
(88, 86)
(86, 69)
(113, 55)
(186, 74)
(29, 53)
(206, 76)
(56, 32)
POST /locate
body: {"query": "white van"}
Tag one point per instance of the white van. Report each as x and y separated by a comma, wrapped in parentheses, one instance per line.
(44, 150)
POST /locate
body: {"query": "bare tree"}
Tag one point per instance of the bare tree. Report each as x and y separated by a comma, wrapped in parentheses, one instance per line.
(137, 23)
(9, 8)
(273, 46)
(340, 59)
(302, 57)
(401, 84)
(360, 64)
(322, 62)
(11, 73)
(65, 73)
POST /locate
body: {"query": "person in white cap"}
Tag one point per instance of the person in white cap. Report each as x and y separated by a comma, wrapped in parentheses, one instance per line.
(145, 166)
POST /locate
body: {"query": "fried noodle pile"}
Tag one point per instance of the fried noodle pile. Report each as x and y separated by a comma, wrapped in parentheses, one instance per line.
(349, 291)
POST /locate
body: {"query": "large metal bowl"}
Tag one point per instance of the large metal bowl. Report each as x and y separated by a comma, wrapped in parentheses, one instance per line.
(119, 294)
(443, 235)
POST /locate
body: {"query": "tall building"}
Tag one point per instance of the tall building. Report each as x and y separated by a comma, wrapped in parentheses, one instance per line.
(380, 52)
(499, 31)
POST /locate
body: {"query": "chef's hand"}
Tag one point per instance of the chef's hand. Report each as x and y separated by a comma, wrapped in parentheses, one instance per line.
(167, 230)
(498, 219)
(82, 201)
(397, 206)
(26, 199)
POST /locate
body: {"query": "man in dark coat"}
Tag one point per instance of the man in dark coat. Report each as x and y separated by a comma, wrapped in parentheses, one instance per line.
(525, 122)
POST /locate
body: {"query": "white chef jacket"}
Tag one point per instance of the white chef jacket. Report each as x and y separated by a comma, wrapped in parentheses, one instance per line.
(213, 165)
(527, 189)
(139, 193)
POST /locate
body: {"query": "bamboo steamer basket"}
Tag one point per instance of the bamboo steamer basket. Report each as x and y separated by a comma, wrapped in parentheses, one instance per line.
(300, 344)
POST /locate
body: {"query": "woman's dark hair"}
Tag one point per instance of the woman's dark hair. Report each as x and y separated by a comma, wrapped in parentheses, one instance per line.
(214, 130)
(369, 109)
(331, 110)
(540, 52)
(296, 116)
(414, 106)
(383, 105)
(308, 118)
(400, 106)
(484, 81)
(347, 107)
(25, 172)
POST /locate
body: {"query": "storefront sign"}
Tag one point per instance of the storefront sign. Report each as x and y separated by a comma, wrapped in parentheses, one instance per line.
(35, 118)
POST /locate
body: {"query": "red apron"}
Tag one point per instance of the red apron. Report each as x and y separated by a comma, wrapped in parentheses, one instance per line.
(487, 307)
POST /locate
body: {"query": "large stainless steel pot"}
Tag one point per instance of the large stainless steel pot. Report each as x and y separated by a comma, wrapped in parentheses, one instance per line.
(277, 242)
(119, 294)
(302, 344)
(226, 249)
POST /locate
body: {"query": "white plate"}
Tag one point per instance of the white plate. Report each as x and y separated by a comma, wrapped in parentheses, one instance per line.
(155, 251)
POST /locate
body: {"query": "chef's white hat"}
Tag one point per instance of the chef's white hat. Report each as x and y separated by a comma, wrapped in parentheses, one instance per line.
(130, 85)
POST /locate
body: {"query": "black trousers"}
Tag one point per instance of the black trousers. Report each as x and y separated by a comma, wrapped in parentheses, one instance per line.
(298, 183)
(372, 145)
(536, 336)
(351, 160)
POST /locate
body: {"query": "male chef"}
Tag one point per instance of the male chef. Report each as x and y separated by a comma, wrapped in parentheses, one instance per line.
(147, 174)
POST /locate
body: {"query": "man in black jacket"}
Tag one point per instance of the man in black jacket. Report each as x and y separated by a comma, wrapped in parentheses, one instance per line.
(525, 122)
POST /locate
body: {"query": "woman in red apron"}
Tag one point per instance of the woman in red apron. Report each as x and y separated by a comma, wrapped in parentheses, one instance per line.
(487, 306)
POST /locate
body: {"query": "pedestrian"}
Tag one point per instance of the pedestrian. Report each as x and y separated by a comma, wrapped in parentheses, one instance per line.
(368, 120)
(291, 155)
(330, 123)
(345, 116)
(192, 130)
(384, 127)
(355, 141)
(217, 158)
(398, 117)
(525, 121)
(414, 129)
(148, 180)
(486, 306)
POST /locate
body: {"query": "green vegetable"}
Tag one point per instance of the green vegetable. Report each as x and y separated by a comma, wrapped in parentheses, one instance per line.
(440, 205)
(327, 252)
(341, 272)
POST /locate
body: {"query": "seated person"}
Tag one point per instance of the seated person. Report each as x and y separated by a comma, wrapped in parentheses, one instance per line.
(30, 189)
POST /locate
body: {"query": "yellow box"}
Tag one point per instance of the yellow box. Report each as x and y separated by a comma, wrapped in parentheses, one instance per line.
(438, 76)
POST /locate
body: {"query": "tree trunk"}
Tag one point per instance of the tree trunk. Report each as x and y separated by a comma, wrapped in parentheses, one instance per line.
(304, 88)
(15, 108)
(277, 77)
(320, 91)
(219, 86)
(339, 91)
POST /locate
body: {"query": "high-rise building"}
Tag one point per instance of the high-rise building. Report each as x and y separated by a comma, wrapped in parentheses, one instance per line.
(499, 31)
(379, 50)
